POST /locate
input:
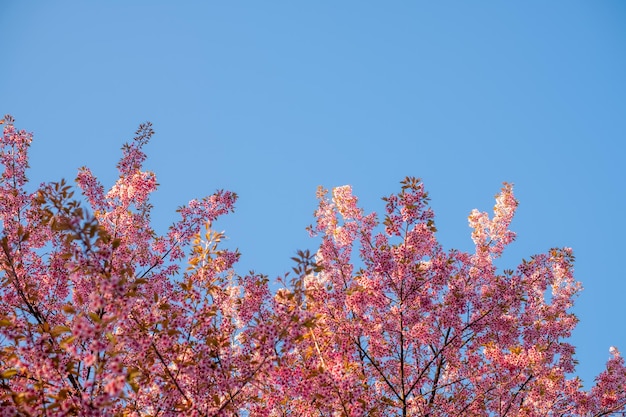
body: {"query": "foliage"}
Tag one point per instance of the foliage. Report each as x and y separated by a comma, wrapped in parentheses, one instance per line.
(99, 318)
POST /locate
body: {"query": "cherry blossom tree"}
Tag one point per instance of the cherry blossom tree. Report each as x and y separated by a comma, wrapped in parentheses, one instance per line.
(403, 327)
(97, 316)
(101, 316)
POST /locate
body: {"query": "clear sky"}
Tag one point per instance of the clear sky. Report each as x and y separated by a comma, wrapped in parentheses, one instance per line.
(271, 99)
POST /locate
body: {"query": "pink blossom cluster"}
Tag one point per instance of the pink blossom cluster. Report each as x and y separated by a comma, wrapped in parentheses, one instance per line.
(98, 318)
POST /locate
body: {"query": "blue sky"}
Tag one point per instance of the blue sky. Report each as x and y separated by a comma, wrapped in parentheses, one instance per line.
(271, 99)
